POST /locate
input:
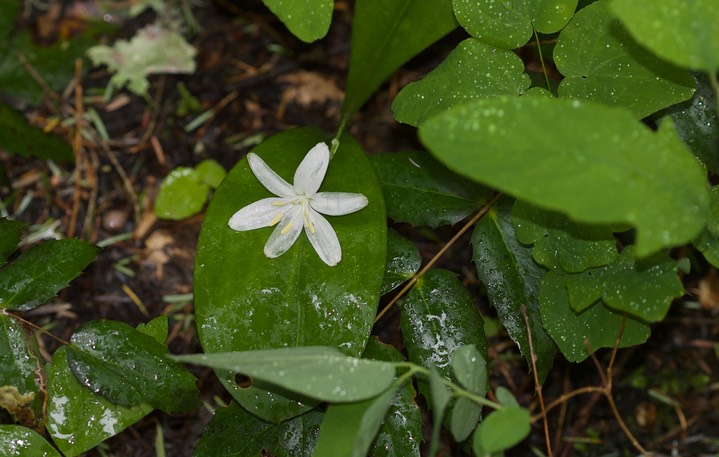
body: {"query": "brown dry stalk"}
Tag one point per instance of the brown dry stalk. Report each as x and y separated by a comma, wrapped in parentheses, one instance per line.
(537, 384)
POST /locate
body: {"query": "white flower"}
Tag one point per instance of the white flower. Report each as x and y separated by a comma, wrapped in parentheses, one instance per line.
(298, 206)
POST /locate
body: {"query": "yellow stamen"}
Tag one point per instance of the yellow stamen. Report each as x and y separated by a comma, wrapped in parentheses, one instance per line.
(283, 203)
(287, 228)
(276, 219)
(308, 223)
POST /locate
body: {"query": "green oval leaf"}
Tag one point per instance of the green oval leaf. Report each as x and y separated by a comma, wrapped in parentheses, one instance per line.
(130, 368)
(19, 441)
(421, 191)
(385, 35)
(501, 429)
(463, 418)
(42, 271)
(308, 20)
(181, 195)
(472, 70)
(509, 25)
(681, 32)
(10, 235)
(599, 166)
(78, 419)
(319, 372)
(601, 62)
(403, 261)
(246, 301)
(512, 278)
(210, 172)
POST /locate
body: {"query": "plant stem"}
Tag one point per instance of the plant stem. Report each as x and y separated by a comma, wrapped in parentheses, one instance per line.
(715, 86)
(456, 390)
(336, 139)
(541, 60)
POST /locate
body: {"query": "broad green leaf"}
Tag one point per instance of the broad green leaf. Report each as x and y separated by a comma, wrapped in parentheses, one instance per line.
(349, 429)
(182, 194)
(308, 20)
(439, 396)
(464, 417)
(601, 62)
(708, 241)
(598, 325)
(512, 278)
(156, 328)
(509, 24)
(561, 244)
(684, 33)
(421, 191)
(246, 301)
(403, 261)
(210, 172)
(697, 123)
(319, 372)
(130, 368)
(470, 369)
(642, 289)
(234, 432)
(10, 235)
(438, 317)
(19, 441)
(600, 165)
(385, 35)
(17, 136)
(21, 394)
(501, 429)
(474, 70)
(42, 271)
(78, 419)
(401, 431)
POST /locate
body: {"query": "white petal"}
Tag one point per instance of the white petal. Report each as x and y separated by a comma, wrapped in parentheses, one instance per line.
(268, 178)
(262, 213)
(286, 233)
(311, 172)
(323, 238)
(338, 203)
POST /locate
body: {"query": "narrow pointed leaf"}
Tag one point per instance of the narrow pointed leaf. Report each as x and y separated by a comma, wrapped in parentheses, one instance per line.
(600, 166)
(601, 62)
(681, 32)
(385, 35)
(245, 300)
(473, 70)
(234, 432)
(42, 271)
(308, 20)
(421, 191)
(512, 279)
(10, 235)
(319, 372)
(130, 368)
(403, 261)
(19, 441)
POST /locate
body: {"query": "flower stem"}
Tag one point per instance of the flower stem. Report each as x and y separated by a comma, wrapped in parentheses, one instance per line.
(336, 139)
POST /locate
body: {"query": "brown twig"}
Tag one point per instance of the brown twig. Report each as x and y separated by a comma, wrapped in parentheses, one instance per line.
(413, 280)
(35, 326)
(537, 384)
(78, 150)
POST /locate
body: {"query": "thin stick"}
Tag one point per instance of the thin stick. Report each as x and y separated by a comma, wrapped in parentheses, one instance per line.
(437, 256)
(538, 386)
(78, 150)
(36, 327)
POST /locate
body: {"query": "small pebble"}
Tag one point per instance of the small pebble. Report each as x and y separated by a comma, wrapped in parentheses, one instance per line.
(114, 220)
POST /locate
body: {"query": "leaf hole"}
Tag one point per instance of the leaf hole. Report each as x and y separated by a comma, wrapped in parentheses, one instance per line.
(243, 381)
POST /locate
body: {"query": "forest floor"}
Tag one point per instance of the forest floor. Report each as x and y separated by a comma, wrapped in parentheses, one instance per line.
(261, 80)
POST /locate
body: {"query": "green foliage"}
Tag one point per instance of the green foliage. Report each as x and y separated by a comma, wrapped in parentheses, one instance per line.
(10, 235)
(19, 137)
(184, 191)
(18, 441)
(403, 261)
(308, 20)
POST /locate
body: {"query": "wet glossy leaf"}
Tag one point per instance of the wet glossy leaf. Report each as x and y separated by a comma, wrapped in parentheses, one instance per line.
(600, 166)
(78, 419)
(642, 289)
(20, 138)
(210, 172)
(130, 368)
(401, 431)
(156, 328)
(598, 325)
(42, 271)
(697, 123)
(234, 432)
(20, 363)
(500, 430)
(403, 261)
(708, 241)
(182, 194)
(561, 244)
(10, 235)
(385, 35)
(19, 441)
(440, 396)
(421, 191)
(473, 70)
(509, 25)
(319, 372)
(512, 279)
(308, 20)
(681, 32)
(601, 62)
(246, 301)
(349, 429)
(438, 317)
